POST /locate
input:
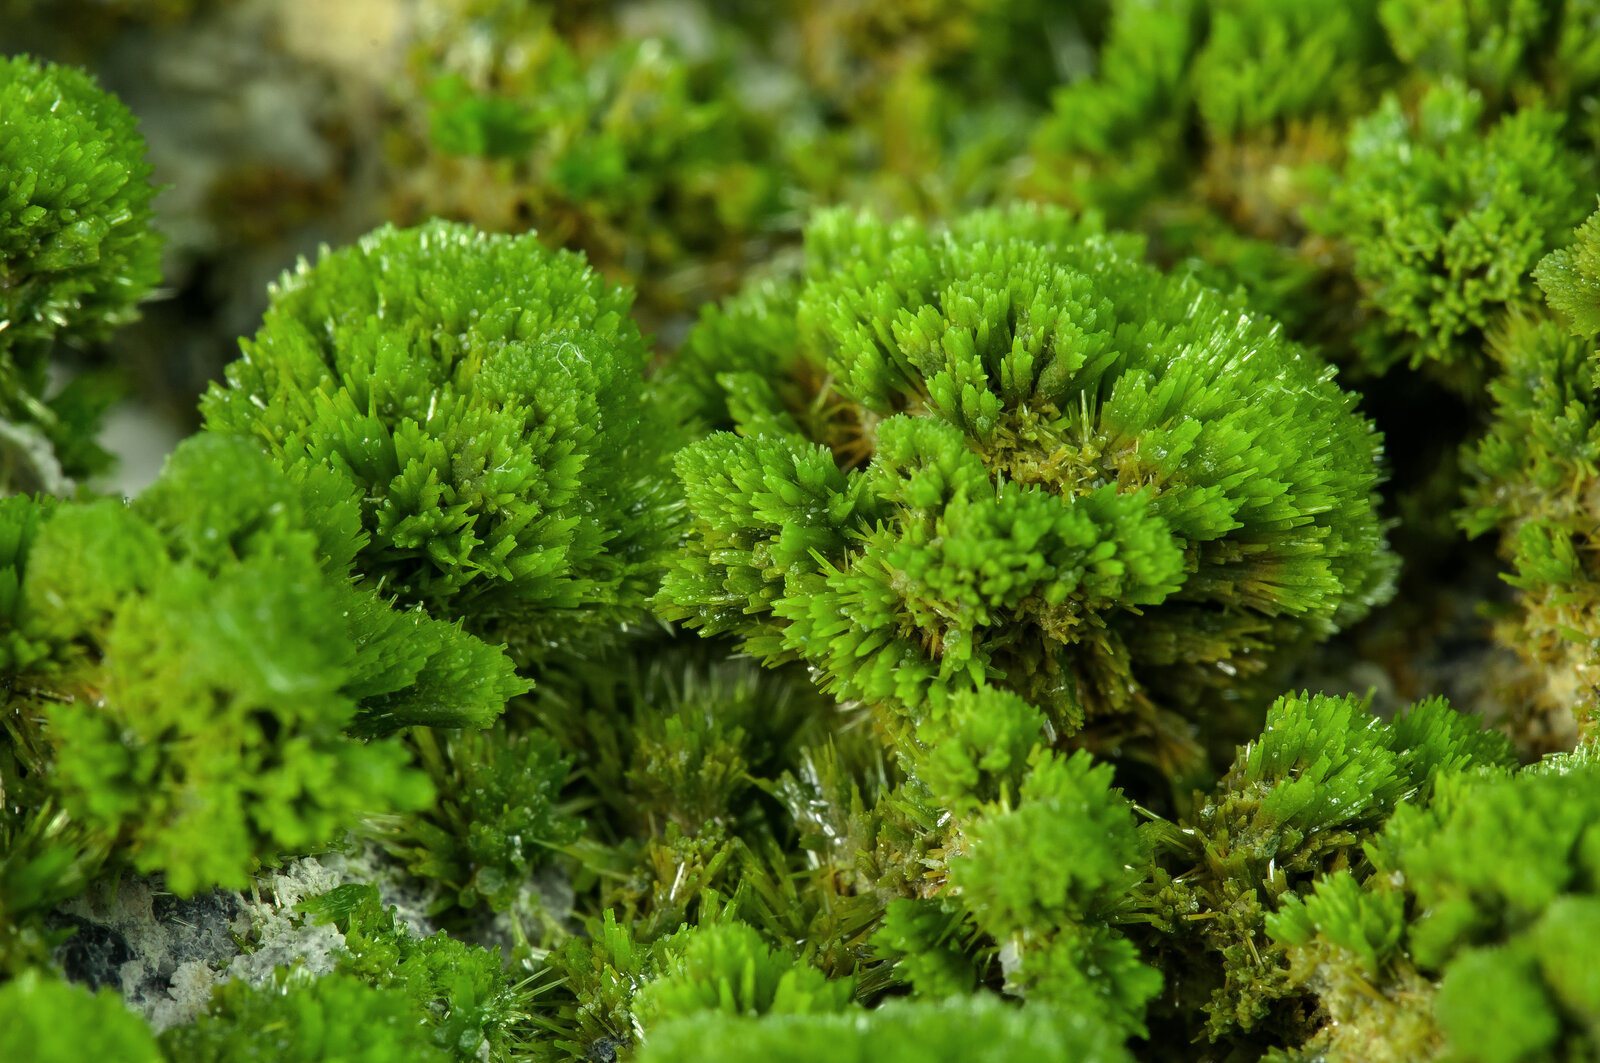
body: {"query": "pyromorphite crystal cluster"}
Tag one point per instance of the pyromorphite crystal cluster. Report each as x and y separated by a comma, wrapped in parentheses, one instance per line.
(1009, 452)
(1447, 220)
(482, 397)
(78, 249)
(1499, 873)
(805, 561)
(76, 254)
(1534, 481)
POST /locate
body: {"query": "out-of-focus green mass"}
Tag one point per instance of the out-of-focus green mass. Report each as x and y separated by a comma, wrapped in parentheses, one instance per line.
(680, 145)
(977, 1029)
(789, 534)
(186, 671)
(52, 1022)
